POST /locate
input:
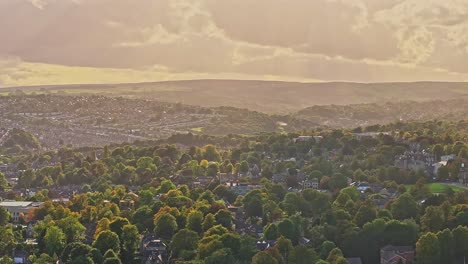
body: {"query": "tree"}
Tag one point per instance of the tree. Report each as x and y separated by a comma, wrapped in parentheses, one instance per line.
(284, 247)
(107, 240)
(165, 226)
(231, 241)
(303, 255)
(405, 207)
(338, 181)
(211, 154)
(366, 213)
(194, 221)
(352, 192)
(223, 255)
(326, 247)
(209, 222)
(3, 182)
(287, 229)
(166, 186)
(447, 245)
(74, 252)
(185, 239)
(112, 261)
(401, 233)
(102, 225)
(72, 228)
(428, 249)
(460, 235)
(244, 167)
(6, 260)
(142, 218)
(5, 216)
(117, 225)
(271, 232)
(247, 248)
(433, 219)
(291, 203)
(335, 256)
(253, 207)
(263, 258)
(224, 217)
(54, 240)
(130, 240)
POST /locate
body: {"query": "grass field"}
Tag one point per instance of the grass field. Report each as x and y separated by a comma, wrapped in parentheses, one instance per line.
(197, 129)
(440, 188)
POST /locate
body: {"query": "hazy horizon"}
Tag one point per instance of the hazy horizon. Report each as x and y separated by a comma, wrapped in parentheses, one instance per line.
(49, 42)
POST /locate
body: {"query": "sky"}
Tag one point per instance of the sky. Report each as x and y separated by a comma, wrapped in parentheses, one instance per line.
(113, 41)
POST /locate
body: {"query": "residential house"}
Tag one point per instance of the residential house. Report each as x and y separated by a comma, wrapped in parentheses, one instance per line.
(265, 244)
(448, 157)
(243, 188)
(396, 254)
(311, 184)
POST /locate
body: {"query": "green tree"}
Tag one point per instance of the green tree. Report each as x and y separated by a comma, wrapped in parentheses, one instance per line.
(6, 260)
(428, 249)
(54, 240)
(117, 225)
(143, 218)
(231, 241)
(303, 255)
(244, 167)
(5, 216)
(130, 241)
(460, 235)
(194, 221)
(287, 229)
(107, 240)
(335, 256)
(352, 192)
(184, 240)
(366, 213)
(326, 247)
(447, 245)
(165, 226)
(72, 228)
(338, 181)
(223, 255)
(433, 219)
(263, 258)
(209, 222)
(405, 207)
(224, 217)
(271, 232)
(284, 247)
(211, 154)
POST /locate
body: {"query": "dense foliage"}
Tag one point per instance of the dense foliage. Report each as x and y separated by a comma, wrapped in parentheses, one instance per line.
(125, 193)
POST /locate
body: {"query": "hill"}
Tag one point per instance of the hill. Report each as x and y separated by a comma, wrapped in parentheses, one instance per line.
(265, 96)
(375, 113)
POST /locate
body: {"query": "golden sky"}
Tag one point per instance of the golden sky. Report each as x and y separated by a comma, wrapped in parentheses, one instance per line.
(108, 41)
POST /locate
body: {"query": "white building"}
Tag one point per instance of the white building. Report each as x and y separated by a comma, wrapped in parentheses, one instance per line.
(311, 184)
(17, 208)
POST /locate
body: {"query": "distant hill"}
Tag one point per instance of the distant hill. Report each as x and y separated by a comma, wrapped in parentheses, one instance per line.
(266, 96)
(369, 114)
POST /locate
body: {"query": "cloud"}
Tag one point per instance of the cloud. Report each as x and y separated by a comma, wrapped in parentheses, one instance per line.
(356, 40)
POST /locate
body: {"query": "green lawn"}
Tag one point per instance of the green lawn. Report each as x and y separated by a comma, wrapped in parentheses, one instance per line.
(439, 187)
(197, 129)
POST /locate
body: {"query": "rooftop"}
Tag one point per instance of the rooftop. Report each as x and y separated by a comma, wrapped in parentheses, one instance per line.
(15, 204)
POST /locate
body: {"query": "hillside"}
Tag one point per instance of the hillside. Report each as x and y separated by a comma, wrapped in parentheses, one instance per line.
(265, 96)
(369, 114)
(96, 120)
